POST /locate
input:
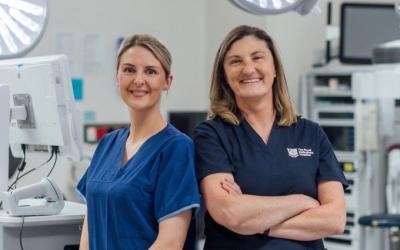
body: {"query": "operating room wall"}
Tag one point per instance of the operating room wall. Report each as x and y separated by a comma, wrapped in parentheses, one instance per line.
(178, 23)
(191, 29)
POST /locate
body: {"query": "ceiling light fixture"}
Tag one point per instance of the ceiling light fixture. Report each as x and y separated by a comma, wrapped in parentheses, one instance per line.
(271, 7)
(22, 24)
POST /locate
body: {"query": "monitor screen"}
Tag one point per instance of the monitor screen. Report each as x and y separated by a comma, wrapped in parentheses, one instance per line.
(364, 26)
(187, 121)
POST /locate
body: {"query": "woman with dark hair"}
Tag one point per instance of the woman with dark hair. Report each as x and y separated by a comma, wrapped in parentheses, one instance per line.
(140, 187)
(269, 178)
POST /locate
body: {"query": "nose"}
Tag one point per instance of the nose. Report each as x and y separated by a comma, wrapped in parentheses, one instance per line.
(248, 67)
(138, 80)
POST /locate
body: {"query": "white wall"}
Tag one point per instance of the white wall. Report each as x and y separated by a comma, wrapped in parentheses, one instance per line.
(178, 23)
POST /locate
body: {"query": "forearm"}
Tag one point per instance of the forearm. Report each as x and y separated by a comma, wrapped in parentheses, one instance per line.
(312, 224)
(250, 214)
(84, 243)
(165, 245)
(172, 232)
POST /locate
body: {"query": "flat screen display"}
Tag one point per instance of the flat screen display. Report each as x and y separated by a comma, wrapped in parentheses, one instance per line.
(364, 26)
(187, 121)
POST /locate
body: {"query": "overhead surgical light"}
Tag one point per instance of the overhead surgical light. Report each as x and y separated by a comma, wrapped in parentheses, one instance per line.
(271, 7)
(22, 24)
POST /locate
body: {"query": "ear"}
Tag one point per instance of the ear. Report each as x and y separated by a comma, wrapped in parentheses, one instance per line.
(117, 85)
(168, 82)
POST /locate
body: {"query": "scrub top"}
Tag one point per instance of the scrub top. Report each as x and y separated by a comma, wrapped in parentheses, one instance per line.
(293, 161)
(126, 202)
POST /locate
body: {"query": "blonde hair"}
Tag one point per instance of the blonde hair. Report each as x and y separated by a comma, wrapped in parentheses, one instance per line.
(223, 102)
(153, 45)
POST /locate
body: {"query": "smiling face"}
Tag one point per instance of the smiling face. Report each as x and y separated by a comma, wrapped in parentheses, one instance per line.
(249, 69)
(141, 79)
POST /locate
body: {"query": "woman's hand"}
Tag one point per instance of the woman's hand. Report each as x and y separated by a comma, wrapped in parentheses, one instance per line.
(230, 186)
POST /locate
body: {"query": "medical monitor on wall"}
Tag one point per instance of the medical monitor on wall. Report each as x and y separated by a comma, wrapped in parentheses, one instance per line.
(186, 121)
(363, 27)
(43, 86)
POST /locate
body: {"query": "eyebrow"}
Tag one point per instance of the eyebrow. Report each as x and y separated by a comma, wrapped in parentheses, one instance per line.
(148, 66)
(258, 52)
(231, 57)
(252, 54)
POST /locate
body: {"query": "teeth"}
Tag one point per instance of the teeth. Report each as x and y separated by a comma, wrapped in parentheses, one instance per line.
(251, 81)
(138, 92)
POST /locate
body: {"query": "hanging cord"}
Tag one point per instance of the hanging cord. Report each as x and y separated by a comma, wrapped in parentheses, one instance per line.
(14, 183)
(20, 168)
(20, 233)
(56, 151)
(33, 169)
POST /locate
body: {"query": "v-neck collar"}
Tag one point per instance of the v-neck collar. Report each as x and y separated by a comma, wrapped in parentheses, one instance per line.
(144, 144)
(272, 139)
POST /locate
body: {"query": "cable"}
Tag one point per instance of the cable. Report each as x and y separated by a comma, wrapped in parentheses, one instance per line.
(20, 168)
(20, 233)
(56, 151)
(33, 169)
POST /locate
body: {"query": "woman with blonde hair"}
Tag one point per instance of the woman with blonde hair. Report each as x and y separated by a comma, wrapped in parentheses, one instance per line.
(140, 187)
(269, 178)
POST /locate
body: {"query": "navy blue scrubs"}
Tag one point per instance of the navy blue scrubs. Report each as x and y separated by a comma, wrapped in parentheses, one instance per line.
(293, 161)
(126, 203)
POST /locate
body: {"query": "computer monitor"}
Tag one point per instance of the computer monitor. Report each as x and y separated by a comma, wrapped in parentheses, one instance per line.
(363, 27)
(186, 121)
(43, 86)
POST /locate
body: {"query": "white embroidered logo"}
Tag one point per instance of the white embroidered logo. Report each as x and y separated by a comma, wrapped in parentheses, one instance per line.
(292, 152)
(295, 152)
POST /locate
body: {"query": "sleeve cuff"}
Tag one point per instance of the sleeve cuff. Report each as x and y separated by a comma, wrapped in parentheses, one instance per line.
(194, 205)
(83, 198)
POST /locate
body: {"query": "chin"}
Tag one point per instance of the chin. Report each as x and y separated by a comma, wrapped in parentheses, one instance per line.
(253, 94)
(141, 106)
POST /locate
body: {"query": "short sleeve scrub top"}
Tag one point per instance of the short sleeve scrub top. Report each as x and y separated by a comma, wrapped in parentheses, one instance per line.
(293, 161)
(126, 202)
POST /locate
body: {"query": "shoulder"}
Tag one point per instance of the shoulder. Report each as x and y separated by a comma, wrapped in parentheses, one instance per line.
(113, 137)
(174, 137)
(304, 125)
(116, 133)
(215, 125)
(176, 146)
(303, 131)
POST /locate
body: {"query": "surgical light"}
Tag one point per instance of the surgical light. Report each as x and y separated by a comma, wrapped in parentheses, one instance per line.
(270, 7)
(22, 24)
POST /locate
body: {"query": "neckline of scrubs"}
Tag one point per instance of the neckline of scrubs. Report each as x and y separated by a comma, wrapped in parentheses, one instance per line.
(144, 144)
(273, 138)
